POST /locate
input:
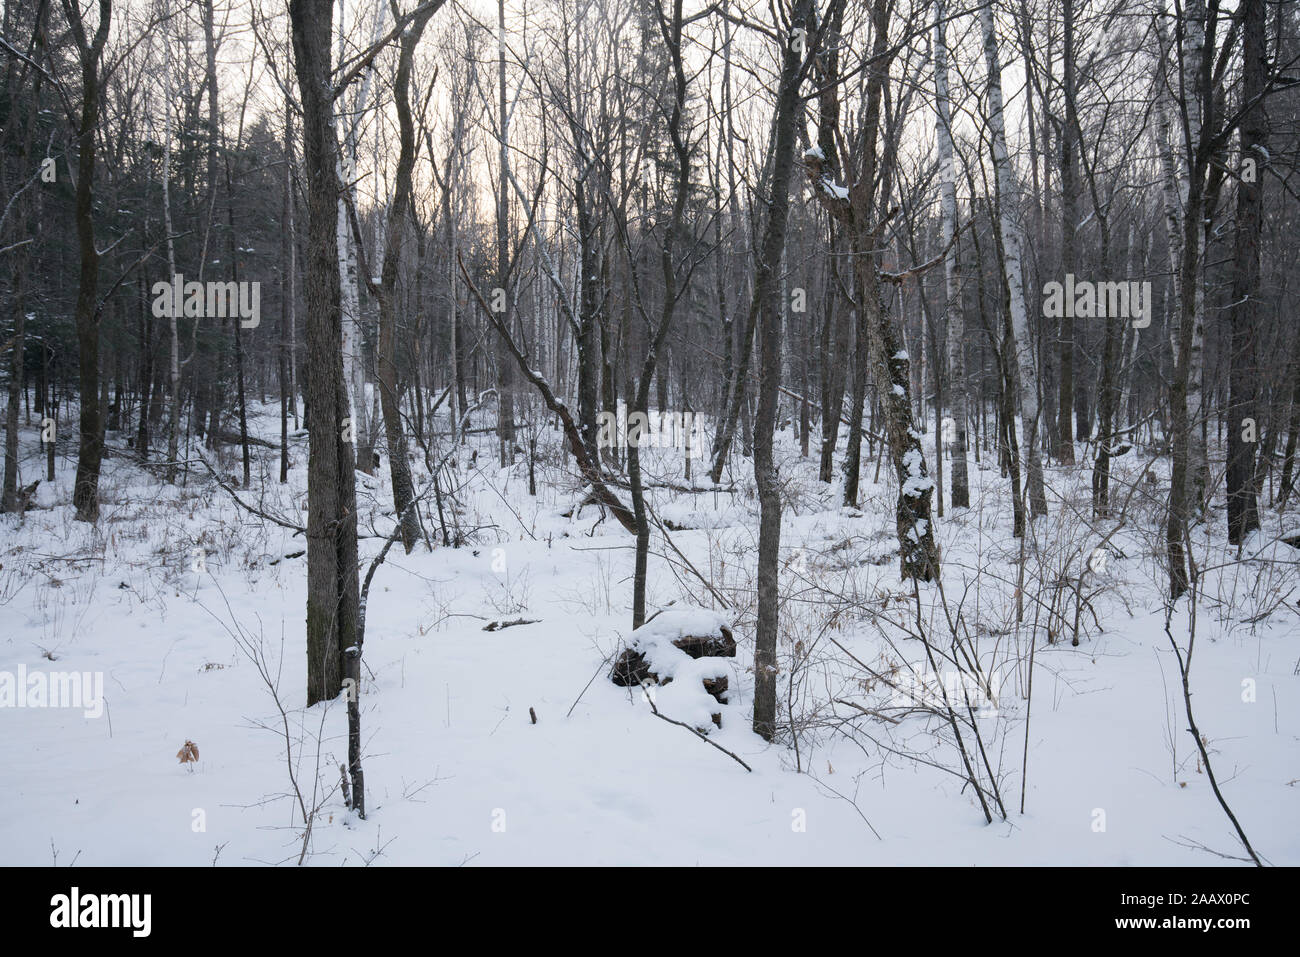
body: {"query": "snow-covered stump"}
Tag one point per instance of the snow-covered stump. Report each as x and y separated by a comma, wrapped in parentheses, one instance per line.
(685, 646)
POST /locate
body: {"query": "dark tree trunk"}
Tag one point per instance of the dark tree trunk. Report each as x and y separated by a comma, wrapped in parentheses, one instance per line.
(736, 395)
(1065, 405)
(835, 347)
(146, 372)
(390, 389)
(1243, 366)
(1292, 430)
(857, 397)
(880, 340)
(332, 592)
(588, 320)
(85, 493)
(22, 229)
(1107, 414)
(9, 499)
(237, 323)
(768, 295)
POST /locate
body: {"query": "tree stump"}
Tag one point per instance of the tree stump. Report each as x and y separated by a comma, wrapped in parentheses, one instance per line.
(658, 648)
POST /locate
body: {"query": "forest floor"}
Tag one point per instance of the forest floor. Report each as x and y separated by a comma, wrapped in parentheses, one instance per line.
(175, 585)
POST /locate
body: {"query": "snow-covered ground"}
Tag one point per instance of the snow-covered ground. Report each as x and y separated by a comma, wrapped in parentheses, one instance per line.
(173, 587)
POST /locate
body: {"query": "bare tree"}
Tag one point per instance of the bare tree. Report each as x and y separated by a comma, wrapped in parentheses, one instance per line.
(955, 324)
(1243, 509)
(390, 394)
(858, 208)
(1023, 362)
(332, 590)
(90, 452)
(771, 308)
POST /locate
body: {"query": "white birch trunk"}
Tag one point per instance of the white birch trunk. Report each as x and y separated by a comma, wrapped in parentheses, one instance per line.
(956, 331)
(1173, 197)
(1026, 374)
(1128, 354)
(1197, 464)
(349, 298)
(293, 268)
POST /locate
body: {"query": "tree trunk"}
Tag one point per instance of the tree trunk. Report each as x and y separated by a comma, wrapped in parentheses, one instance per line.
(354, 369)
(1069, 239)
(1025, 374)
(1188, 453)
(505, 373)
(878, 336)
(771, 310)
(1243, 366)
(955, 325)
(90, 451)
(1292, 429)
(9, 500)
(332, 592)
(390, 393)
(174, 357)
